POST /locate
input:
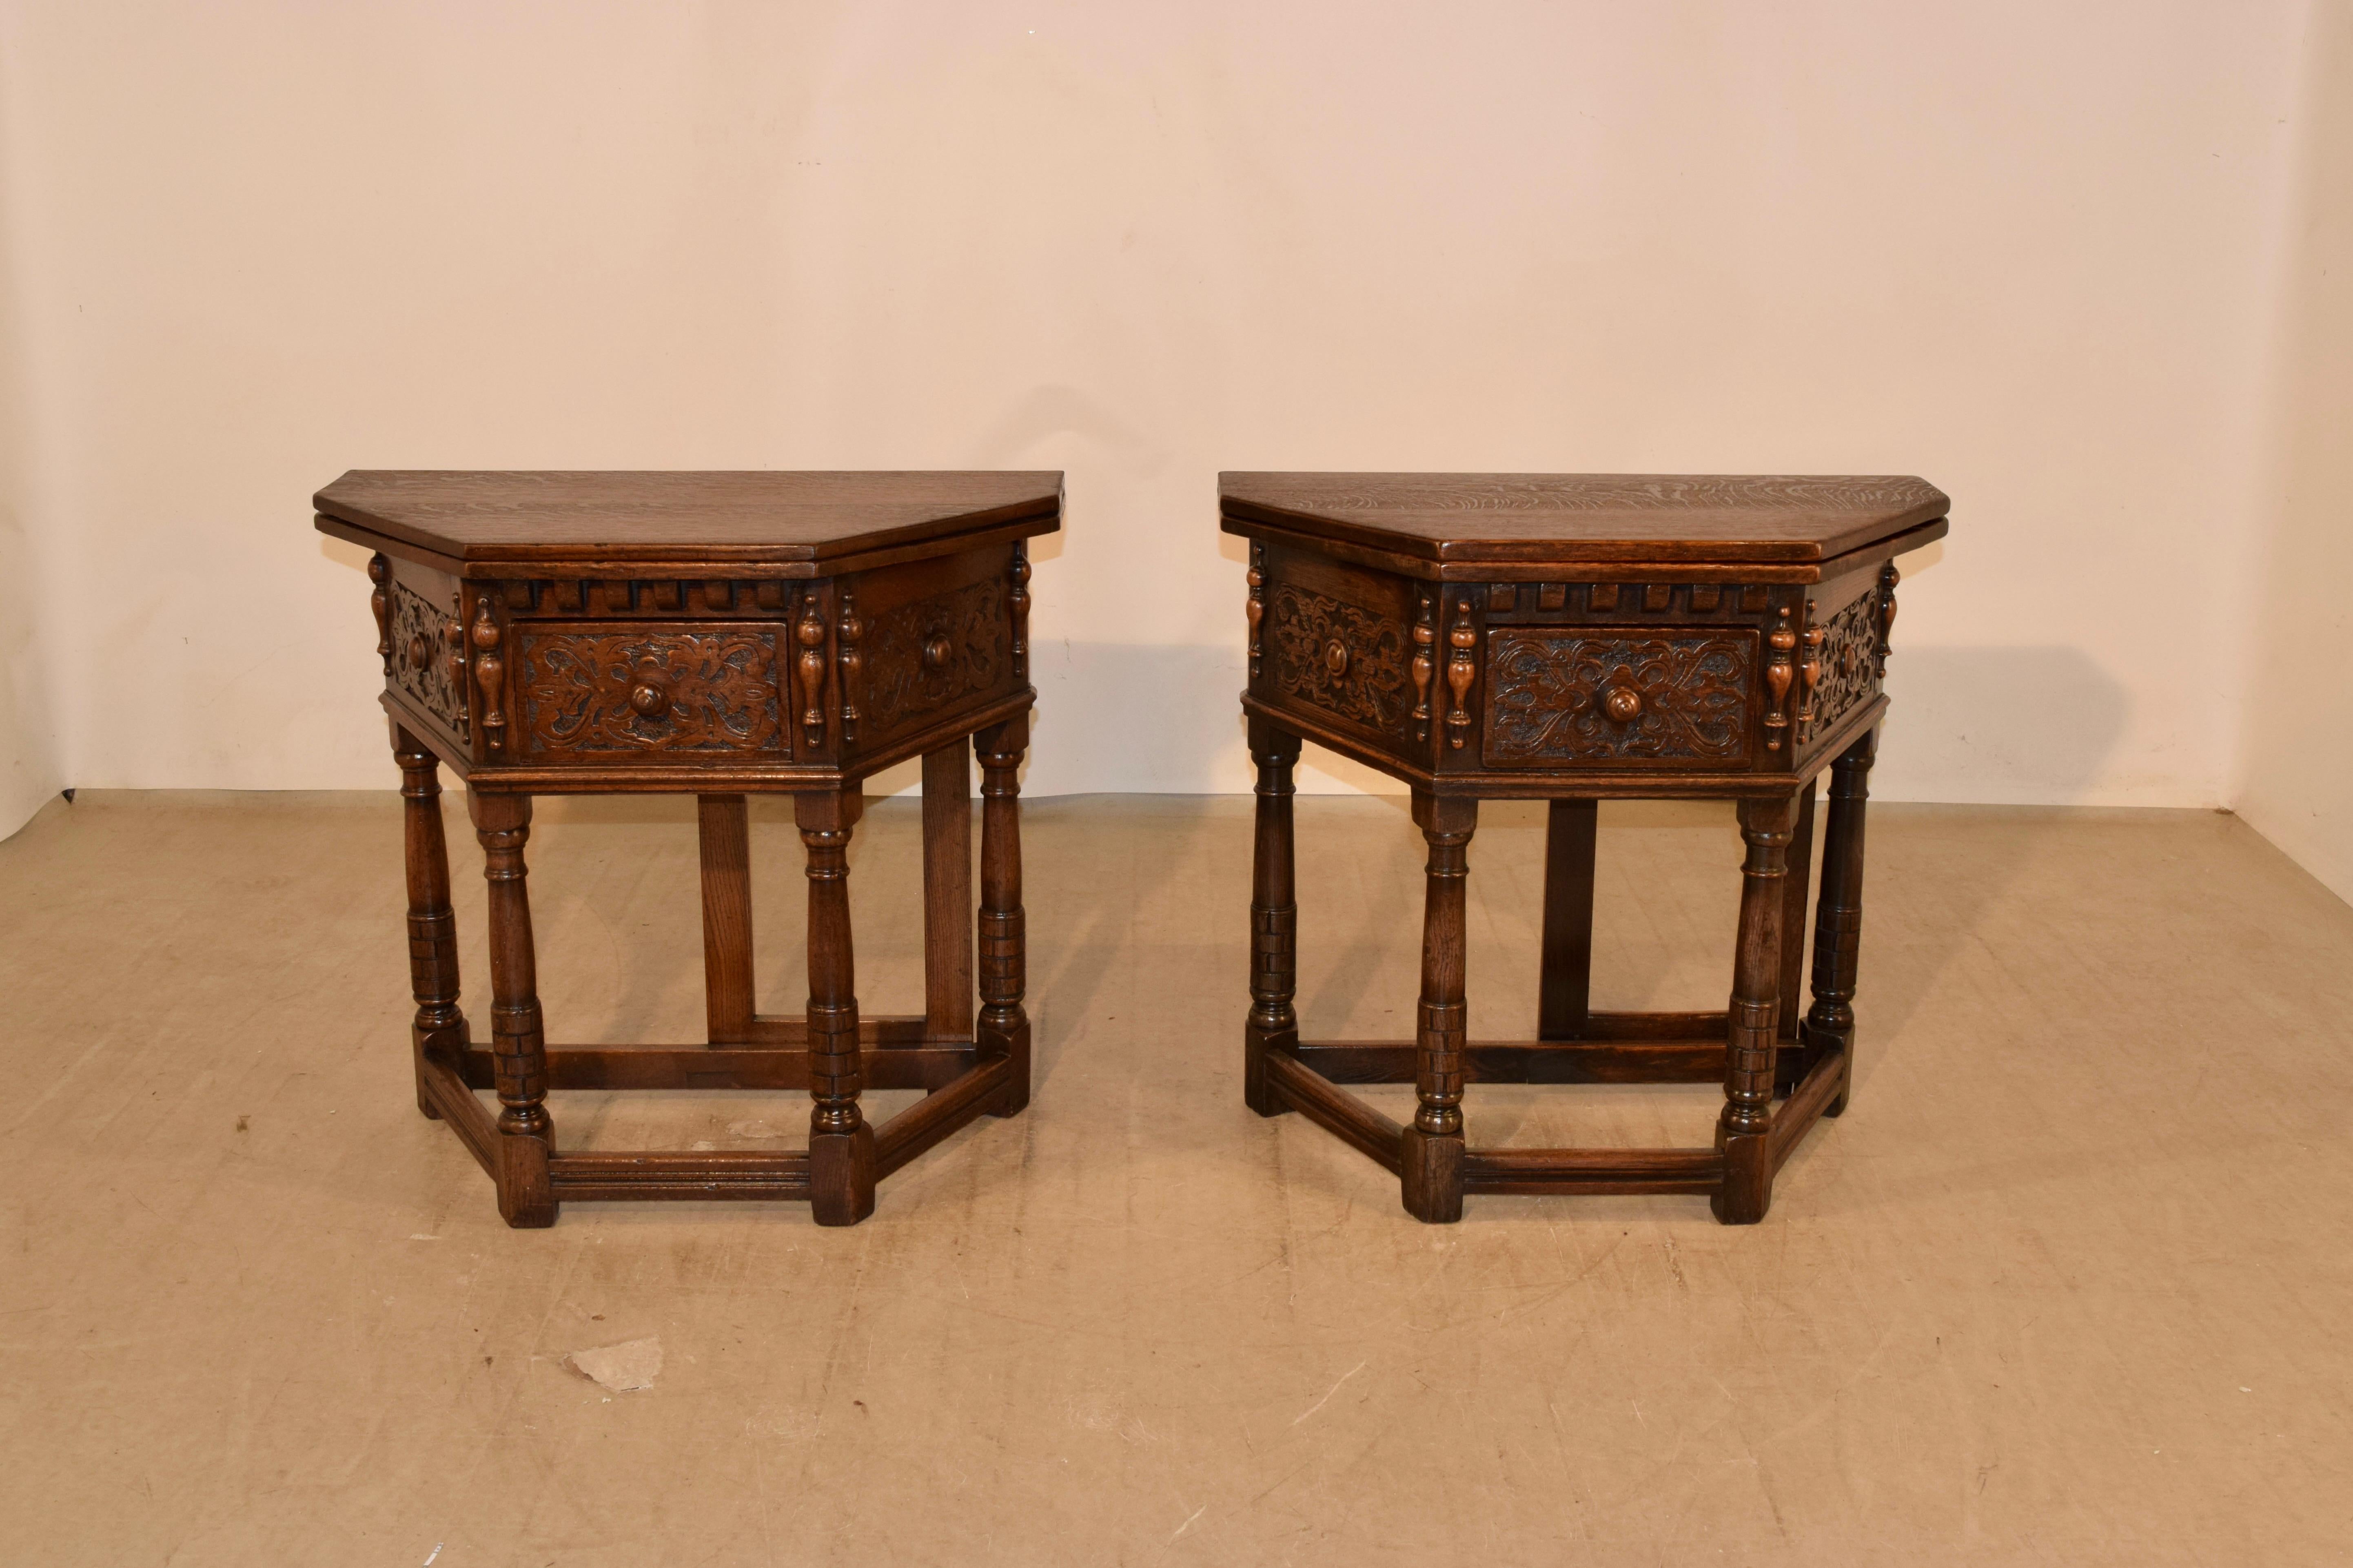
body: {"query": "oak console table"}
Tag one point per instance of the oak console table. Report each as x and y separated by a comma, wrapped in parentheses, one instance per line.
(1570, 639)
(720, 635)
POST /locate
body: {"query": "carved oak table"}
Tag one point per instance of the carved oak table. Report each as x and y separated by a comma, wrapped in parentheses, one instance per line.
(719, 634)
(1570, 639)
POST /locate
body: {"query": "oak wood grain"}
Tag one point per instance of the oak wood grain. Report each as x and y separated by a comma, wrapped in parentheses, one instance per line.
(948, 927)
(722, 825)
(1566, 972)
(1575, 518)
(620, 516)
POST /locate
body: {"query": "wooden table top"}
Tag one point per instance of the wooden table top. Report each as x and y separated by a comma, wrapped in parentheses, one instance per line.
(1572, 518)
(752, 517)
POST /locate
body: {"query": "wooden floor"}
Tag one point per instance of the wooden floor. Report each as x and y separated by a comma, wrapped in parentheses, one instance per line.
(2068, 1284)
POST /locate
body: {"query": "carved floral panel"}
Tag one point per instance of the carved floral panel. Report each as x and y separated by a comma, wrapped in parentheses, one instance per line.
(1346, 661)
(921, 657)
(1554, 698)
(635, 691)
(423, 643)
(1849, 653)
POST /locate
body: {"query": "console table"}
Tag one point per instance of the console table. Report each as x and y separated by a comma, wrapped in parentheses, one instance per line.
(720, 635)
(1572, 639)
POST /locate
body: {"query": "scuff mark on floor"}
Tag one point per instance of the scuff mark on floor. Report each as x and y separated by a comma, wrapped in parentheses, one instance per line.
(624, 1368)
(1328, 1394)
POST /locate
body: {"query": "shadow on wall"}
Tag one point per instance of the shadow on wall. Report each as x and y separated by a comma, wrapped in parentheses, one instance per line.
(1172, 724)
(1151, 719)
(2043, 721)
(2052, 718)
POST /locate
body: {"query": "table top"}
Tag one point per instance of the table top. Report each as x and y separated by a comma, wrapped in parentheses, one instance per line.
(525, 517)
(1572, 518)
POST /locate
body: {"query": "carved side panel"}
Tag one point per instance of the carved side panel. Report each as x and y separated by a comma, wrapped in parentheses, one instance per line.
(1337, 657)
(1555, 698)
(924, 657)
(1849, 653)
(629, 692)
(427, 661)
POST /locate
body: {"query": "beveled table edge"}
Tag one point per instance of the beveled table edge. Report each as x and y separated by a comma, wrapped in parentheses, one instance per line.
(939, 535)
(1632, 567)
(601, 563)
(1324, 524)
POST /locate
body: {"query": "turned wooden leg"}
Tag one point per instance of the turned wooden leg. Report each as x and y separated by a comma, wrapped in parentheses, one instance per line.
(1004, 1027)
(841, 1145)
(518, 1042)
(947, 891)
(1741, 1132)
(725, 830)
(1275, 917)
(432, 924)
(1432, 1169)
(1838, 922)
(1566, 984)
(1790, 1067)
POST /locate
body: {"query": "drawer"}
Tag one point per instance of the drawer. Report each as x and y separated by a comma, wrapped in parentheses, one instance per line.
(935, 639)
(426, 665)
(1846, 660)
(1597, 696)
(1338, 643)
(602, 691)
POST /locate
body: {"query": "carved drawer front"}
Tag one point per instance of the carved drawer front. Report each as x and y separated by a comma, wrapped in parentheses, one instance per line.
(921, 660)
(1347, 660)
(603, 692)
(1840, 672)
(427, 664)
(1604, 696)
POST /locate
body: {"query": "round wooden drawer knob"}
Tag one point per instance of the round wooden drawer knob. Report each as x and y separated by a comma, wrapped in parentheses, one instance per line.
(937, 650)
(649, 697)
(1622, 703)
(1335, 658)
(416, 653)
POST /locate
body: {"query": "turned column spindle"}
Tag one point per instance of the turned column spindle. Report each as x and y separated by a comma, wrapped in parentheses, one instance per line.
(1766, 827)
(1790, 1063)
(835, 1080)
(1432, 1162)
(1003, 1028)
(841, 1145)
(432, 923)
(518, 1039)
(1838, 919)
(1275, 917)
(379, 570)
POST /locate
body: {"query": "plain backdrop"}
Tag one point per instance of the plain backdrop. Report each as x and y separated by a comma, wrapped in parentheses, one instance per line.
(2070, 262)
